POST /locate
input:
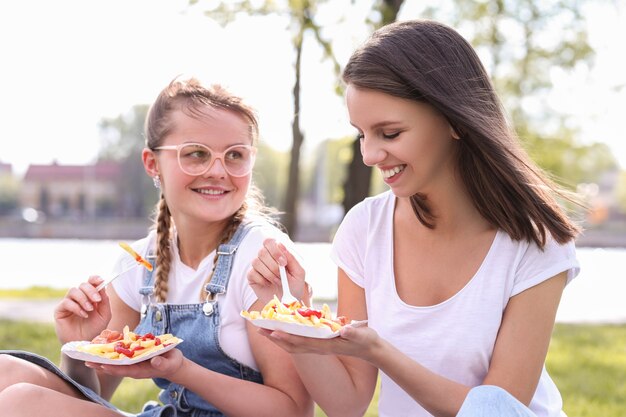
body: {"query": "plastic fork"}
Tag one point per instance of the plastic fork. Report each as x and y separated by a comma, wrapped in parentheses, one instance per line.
(287, 297)
(114, 277)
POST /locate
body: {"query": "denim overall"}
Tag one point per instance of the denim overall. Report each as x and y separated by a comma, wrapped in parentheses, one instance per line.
(198, 325)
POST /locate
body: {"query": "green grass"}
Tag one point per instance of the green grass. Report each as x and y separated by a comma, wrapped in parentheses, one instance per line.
(587, 362)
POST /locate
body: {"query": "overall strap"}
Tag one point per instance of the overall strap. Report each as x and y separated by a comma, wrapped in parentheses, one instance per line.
(147, 290)
(226, 254)
(148, 279)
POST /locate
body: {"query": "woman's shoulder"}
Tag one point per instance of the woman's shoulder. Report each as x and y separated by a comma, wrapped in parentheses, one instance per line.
(533, 263)
(373, 205)
(261, 229)
(368, 219)
(263, 225)
(531, 250)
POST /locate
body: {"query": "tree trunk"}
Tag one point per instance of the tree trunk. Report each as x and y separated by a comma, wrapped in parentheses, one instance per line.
(359, 178)
(293, 182)
(357, 184)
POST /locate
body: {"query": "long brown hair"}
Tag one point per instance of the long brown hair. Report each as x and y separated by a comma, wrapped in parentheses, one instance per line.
(191, 97)
(431, 63)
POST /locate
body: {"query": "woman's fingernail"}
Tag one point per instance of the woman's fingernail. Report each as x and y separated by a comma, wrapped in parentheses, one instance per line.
(282, 260)
(97, 298)
(88, 306)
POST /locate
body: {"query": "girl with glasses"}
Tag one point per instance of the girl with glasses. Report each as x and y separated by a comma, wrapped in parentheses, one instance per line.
(209, 225)
(459, 267)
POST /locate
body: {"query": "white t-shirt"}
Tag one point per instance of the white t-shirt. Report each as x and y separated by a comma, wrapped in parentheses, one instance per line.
(184, 286)
(455, 338)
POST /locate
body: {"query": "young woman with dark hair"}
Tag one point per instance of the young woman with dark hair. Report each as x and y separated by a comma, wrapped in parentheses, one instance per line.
(458, 268)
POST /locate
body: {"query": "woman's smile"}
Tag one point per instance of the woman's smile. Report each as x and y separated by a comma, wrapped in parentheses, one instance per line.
(392, 174)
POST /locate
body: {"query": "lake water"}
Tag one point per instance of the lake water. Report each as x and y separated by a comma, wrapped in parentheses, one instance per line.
(597, 295)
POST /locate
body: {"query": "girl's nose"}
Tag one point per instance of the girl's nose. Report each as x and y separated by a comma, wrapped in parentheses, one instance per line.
(372, 152)
(216, 169)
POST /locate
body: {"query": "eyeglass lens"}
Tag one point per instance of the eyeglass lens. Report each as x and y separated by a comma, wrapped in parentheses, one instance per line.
(195, 159)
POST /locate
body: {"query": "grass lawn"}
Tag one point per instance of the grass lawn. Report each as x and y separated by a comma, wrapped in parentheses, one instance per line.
(587, 362)
(37, 293)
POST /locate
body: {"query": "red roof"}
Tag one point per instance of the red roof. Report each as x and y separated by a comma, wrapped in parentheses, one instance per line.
(56, 172)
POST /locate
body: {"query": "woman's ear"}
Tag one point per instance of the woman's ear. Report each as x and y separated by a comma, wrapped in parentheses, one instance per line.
(150, 162)
(454, 133)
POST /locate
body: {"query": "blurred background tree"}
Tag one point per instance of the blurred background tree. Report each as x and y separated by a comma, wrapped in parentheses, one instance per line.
(358, 183)
(122, 141)
(301, 20)
(517, 43)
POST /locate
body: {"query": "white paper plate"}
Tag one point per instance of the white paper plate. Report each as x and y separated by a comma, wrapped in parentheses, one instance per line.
(70, 350)
(301, 329)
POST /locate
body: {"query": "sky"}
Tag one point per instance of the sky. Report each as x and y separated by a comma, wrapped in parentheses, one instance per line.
(67, 64)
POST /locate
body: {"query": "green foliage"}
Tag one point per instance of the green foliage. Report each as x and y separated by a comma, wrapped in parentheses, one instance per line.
(571, 163)
(587, 363)
(122, 136)
(326, 177)
(123, 141)
(515, 39)
(269, 173)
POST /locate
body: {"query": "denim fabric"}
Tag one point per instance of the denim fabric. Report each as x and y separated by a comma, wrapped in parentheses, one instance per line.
(492, 401)
(198, 325)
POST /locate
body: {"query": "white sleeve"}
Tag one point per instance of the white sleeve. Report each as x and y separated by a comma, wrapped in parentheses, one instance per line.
(348, 247)
(247, 251)
(537, 265)
(127, 285)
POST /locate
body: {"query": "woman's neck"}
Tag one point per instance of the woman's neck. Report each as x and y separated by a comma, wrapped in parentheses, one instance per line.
(195, 243)
(453, 211)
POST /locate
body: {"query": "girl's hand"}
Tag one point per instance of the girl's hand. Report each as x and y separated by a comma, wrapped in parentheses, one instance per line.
(83, 313)
(264, 276)
(162, 366)
(360, 342)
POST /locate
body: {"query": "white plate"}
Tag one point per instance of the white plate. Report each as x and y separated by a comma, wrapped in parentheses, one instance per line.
(70, 350)
(301, 329)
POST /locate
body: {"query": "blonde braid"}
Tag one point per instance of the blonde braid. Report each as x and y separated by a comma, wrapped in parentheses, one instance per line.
(228, 233)
(164, 254)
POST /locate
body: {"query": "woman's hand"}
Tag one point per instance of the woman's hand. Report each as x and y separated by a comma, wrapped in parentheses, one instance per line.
(264, 276)
(83, 313)
(360, 342)
(162, 366)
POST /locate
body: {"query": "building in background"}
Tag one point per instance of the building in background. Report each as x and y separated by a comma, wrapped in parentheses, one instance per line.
(72, 191)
